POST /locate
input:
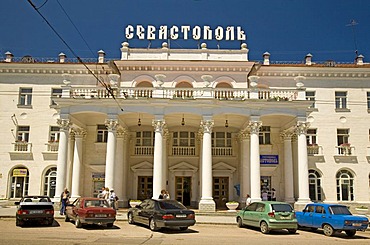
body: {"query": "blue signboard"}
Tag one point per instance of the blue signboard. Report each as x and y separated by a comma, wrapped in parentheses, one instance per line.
(269, 159)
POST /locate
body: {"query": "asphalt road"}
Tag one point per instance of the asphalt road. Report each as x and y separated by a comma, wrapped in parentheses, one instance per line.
(122, 233)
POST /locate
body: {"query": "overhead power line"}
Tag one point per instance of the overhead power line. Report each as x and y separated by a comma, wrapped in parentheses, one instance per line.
(106, 86)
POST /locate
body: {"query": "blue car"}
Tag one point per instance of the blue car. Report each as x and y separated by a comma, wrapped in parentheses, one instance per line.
(331, 218)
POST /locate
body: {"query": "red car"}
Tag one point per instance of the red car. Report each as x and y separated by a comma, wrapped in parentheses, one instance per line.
(90, 210)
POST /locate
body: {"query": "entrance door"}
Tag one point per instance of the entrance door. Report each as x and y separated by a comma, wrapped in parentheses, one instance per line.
(183, 189)
(145, 187)
(221, 191)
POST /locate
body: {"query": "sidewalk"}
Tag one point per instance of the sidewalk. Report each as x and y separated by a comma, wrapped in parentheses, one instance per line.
(219, 217)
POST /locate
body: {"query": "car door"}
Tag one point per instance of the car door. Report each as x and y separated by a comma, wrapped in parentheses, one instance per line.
(140, 212)
(249, 213)
(319, 216)
(307, 216)
(147, 211)
(259, 214)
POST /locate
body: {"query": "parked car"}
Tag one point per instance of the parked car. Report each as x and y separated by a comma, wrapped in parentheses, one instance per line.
(34, 209)
(161, 213)
(331, 218)
(268, 215)
(90, 210)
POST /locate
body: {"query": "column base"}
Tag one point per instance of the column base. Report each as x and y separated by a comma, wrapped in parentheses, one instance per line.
(303, 201)
(207, 205)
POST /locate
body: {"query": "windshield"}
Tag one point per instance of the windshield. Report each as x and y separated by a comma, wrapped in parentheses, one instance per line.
(339, 210)
(96, 203)
(171, 205)
(281, 207)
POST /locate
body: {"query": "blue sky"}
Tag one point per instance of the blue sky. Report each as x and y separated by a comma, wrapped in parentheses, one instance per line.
(287, 29)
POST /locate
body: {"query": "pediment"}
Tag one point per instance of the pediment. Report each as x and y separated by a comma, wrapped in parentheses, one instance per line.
(221, 166)
(142, 166)
(183, 166)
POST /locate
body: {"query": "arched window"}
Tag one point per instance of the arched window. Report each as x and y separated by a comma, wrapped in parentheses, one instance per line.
(50, 179)
(184, 90)
(19, 183)
(224, 91)
(344, 185)
(314, 185)
(144, 89)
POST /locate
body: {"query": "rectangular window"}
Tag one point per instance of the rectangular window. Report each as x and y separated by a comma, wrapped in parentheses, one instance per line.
(264, 135)
(54, 134)
(310, 95)
(184, 138)
(221, 139)
(340, 100)
(368, 101)
(55, 93)
(145, 138)
(311, 136)
(25, 96)
(102, 134)
(343, 136)
(23, 133)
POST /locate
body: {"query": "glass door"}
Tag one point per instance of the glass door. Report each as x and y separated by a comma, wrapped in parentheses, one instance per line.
(183, 189)
(145, 187)
(221, 191)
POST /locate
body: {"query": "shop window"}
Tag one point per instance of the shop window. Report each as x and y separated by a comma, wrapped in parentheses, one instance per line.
(19, 182)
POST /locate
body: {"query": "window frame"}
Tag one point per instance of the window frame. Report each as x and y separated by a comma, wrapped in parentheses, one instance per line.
(264, 135)
(101, 133)
(25, 97)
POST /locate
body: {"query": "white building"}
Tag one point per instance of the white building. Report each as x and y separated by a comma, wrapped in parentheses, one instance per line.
(207, 125)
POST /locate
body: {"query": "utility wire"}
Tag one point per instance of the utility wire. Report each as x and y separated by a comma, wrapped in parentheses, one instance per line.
(107, 87)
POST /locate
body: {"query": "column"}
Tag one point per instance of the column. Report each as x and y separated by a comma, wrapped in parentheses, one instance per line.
(64, 125)
(288, 167)
(245, 168)
(164, 159)
(255, 171)
(111, 151)
(207, 203)
(158, 157)
(303, 186)
(79, 135)
(120, 172)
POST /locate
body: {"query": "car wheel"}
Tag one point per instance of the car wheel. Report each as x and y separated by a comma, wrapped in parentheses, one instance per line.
(153, 225)
(109, 225)
(51, 221)
(78, 223)
(264, 227)
(183, 228)
(66, 219)
(240, 222)
(19, 222)
(292, 231)
(328, 230)
(130, 218)
(350, 233)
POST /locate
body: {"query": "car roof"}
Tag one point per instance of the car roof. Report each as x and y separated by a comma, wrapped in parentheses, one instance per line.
(271, 202)
(326, 204)
(91, 198)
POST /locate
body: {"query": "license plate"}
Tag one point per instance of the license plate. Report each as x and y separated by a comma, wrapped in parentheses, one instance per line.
(100, 215)
(356, 224)
(180, 215)
(36, 211)
(282, 217)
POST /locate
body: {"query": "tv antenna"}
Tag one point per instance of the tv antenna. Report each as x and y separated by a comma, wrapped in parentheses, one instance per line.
(352, 24)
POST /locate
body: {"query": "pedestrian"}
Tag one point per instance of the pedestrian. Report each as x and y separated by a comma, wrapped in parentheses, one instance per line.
(106, 194)
(112, 199)
(264, 195)
(161, 196)
(248, 201)
(102, 193)
(166, 195)
(64, 200)
(273, 195)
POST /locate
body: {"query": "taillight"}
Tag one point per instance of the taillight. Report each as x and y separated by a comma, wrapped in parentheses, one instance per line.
(90, 215)
(23, 212)
(365, 222)
(271, 214)
(168, 216)
(51, 211)
(347, 222)
(191, 216)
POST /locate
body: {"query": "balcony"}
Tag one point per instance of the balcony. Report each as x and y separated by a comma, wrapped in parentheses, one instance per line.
(183, 151)
(345, 150)
(222, 151)
(314, 150)
(52, 146)
(22, 146)
(144, 150)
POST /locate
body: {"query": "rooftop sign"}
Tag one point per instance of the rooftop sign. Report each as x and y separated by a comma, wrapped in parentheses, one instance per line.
(185, 32)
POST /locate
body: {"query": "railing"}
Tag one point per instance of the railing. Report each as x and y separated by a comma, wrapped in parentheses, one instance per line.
(222, 151)
(22, 147)
(314, 150)
(52, 146)
(345, 150)
(144, 150)
(183, 150)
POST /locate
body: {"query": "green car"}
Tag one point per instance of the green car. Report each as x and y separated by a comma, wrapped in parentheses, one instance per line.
(268, 215)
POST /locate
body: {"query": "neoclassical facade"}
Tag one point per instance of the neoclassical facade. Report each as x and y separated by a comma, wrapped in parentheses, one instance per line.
(207, 125)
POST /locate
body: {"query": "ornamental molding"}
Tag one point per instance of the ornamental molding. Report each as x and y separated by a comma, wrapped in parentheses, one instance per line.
(184, 68)
(159, 125)
(78, 133)
(254, 127)
(111, 124)
(64, 124)
(301, 127)
(206, 126)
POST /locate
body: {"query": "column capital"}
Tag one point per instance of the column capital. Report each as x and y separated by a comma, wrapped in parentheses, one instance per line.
(287, 135)
(301, 127)
(79, 133)
(159, 125)
(122, 133)
(206, 126)
(254, 126)
(244, 135)
(111, 124)
(64, 124)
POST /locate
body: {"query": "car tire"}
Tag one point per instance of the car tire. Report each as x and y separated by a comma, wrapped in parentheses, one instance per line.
(351, 233)
(19, 222)
(264, 227)
(50, 222)
(183, 228)
(78, 223)
(240, 222)
(66, 219)
(109, 225)
(328, 230)
(292, 231)
(153, 225)
(130, 218)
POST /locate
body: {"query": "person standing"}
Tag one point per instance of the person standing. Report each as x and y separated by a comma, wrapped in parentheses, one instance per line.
(64, 199)
(248, 201)
(166, 195)
(162, 195)
(264, 195)
(112, 199)
(273, 195)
